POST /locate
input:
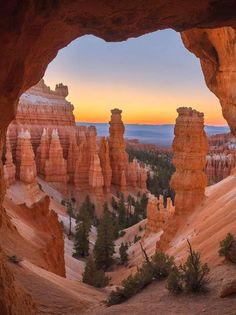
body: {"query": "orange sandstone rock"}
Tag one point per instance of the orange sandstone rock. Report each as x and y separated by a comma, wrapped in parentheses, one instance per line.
(43, 153)
(9, 167)
(105, 164)
(118, 155)
(56, 165)
(190, 148)
(28, 172)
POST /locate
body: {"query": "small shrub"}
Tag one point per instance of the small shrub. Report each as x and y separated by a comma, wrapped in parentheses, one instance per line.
(123, 253)
(122, 233)
(94, 276)
(174, 281)
(137, 238)
(155, 268)
(194, 273)
(132, 285)
(228, 248)
(162, 265)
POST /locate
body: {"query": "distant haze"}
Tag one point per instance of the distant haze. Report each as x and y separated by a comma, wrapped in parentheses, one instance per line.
(155, 134)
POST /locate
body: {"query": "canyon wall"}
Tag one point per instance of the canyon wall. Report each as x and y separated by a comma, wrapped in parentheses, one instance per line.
(221, 158)
(43, 140)
(190, 147)
(216, 49)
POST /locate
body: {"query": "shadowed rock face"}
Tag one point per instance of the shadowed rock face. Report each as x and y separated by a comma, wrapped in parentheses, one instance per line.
(33, 31)
(216, 49)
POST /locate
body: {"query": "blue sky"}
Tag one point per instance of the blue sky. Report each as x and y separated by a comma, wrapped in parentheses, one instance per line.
(148, 77)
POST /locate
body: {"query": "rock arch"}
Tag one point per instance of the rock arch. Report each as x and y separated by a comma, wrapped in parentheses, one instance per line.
(33, 31)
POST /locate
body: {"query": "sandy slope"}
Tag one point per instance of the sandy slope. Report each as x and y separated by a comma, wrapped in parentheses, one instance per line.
(205, 227)
(53, 294)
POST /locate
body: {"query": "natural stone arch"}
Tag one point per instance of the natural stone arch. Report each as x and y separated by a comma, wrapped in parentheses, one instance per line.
(33, 31)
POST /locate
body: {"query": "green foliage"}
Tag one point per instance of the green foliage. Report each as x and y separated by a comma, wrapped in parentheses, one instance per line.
(194, 273)
(162, 265)
(226, 245)
(81, 243)
(132, 285)
(114, 204)
(104, 246)
(161, 170)
(155, 268)
(175, 281)
(121, 209)
(94, 276)
(87, 211)
(192, 276)
(83, 225)
(137, 238)
(123, 253)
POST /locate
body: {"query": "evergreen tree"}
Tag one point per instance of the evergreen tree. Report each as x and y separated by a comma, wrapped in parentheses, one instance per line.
(70, 212)
(87, 209)
(123, 253)
(122, 213)
(104, 246)
(114, 203)
(81, 243)
(94, 276)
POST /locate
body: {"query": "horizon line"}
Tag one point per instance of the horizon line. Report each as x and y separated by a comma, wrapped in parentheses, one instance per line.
(147, 124)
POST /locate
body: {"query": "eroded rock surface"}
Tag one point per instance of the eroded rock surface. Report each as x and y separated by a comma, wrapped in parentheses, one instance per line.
(216, 49)
(190, 147)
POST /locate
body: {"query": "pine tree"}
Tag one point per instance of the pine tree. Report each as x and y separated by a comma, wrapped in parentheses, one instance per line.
(122, 213)
(123, 253)
(70, 212)
(81, 244)
(104, 246)
(94, 276)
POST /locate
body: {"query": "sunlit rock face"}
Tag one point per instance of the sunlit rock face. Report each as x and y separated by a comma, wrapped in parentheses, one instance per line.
(41, 108)
(105, 164)
(63, 153)
(118, 155)
(221, 158)
(157, 214)
(216, 49)
(56, 165)
(190, 147)
(27, 171)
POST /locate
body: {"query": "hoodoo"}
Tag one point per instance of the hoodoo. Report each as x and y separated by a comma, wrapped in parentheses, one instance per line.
(190, 147)
(56, 165)
(9, 167)
(118, 155)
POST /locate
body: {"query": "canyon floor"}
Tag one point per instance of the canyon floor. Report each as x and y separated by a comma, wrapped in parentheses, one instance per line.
(205, 227)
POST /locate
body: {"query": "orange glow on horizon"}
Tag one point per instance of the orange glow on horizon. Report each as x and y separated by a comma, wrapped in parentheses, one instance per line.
(93, 102)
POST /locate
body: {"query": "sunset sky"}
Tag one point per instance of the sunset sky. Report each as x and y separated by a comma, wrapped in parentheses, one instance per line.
(148, 77)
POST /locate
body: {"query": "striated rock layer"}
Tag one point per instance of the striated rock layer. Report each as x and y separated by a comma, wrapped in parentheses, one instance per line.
(118, 155)
(9, 167)
(221, 158)
(190, 147)
(45, 141)
(216, 49)
(56, 165)
(157, 214)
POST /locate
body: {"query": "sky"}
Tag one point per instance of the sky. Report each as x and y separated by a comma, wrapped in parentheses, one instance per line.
(147, 77)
